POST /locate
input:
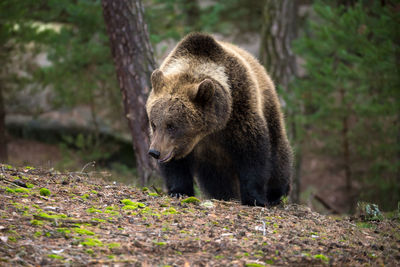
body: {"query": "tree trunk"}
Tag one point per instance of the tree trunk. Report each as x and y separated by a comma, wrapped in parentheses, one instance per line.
(346, 151)
(3, 141)
(277, 33)
(191, 11)
(134, 62)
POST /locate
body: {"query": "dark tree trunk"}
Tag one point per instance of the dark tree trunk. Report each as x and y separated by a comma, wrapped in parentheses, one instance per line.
(346, 151)
(191, 10)
(277, 33)
(134, 62)
(3, 141)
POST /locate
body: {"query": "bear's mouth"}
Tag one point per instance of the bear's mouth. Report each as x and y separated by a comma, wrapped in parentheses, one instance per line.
(166, 158)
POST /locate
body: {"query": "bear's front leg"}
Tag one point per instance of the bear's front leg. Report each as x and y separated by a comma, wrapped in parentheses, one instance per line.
(178, 177)
(253, 184)
(254, 168)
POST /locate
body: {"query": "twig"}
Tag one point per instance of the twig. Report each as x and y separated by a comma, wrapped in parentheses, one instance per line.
(92, 163)
(226, 203)
(326, 204)
(157, 191)
(11, 182)
(65, 221)
(121, 234)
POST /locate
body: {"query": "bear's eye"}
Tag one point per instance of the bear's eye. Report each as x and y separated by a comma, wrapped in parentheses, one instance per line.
(153, 126)
(170, 128)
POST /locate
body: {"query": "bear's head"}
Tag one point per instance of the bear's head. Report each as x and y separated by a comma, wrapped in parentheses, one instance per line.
(182, 110)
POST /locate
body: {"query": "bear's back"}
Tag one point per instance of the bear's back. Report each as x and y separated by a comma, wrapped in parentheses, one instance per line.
(201, 55)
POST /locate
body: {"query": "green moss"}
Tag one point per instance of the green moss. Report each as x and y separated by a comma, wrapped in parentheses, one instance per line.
(44, 192)
(254, 265)
(114, 245)
(29, 168)
(85, 196)
(160, 243)
(36, 222)
(55, 216)
(65, 231)
(170, 210)
(93, 192)
(365, 225)
(89, 251)
(112, 212)
(112, 207)
(93, 210)
(153, 194)
(38, 234)
(128, 202)
(111, 257)
(83, 231)
(321, 257)
(192, 200)
(144, 189)
(20, 207)
(149, 211)
(92, 242)
(219, 257)
(12, 238)
(129, 207)
(55, 256)
(29, 185)
(269, 261)
(22, 190)
(10, 190)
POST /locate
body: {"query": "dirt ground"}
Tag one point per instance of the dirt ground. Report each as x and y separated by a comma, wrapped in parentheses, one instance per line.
(49, 218)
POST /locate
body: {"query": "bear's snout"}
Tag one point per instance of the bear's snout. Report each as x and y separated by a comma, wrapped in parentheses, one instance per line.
(154, 153)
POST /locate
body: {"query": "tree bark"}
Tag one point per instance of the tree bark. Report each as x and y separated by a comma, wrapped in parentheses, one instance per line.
(134, 62)
(346, 151)
(3, 140)
(278, 31)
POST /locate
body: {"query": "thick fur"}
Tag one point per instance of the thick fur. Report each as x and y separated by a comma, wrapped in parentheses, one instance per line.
(215, 117)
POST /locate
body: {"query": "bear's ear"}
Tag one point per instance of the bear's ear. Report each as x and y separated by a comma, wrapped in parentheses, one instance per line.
(157, 80)
(204, 92)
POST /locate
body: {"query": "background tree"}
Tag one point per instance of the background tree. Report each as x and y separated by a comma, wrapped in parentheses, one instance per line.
(351, 95)
(16, 30)
(279, 29)
(3, 142)
(133, 59)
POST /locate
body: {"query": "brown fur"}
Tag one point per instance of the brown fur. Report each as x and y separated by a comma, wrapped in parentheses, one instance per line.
(215, 115)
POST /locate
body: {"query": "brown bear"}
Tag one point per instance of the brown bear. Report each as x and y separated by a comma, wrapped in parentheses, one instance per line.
(215, 117)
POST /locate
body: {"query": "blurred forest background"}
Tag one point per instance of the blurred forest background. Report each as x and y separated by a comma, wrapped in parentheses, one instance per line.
(335, 64)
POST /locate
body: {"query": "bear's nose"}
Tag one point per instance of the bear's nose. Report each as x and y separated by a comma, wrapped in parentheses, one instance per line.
(154, 153)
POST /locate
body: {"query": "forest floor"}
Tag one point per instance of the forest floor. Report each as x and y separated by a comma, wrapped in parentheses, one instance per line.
(57, 219)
